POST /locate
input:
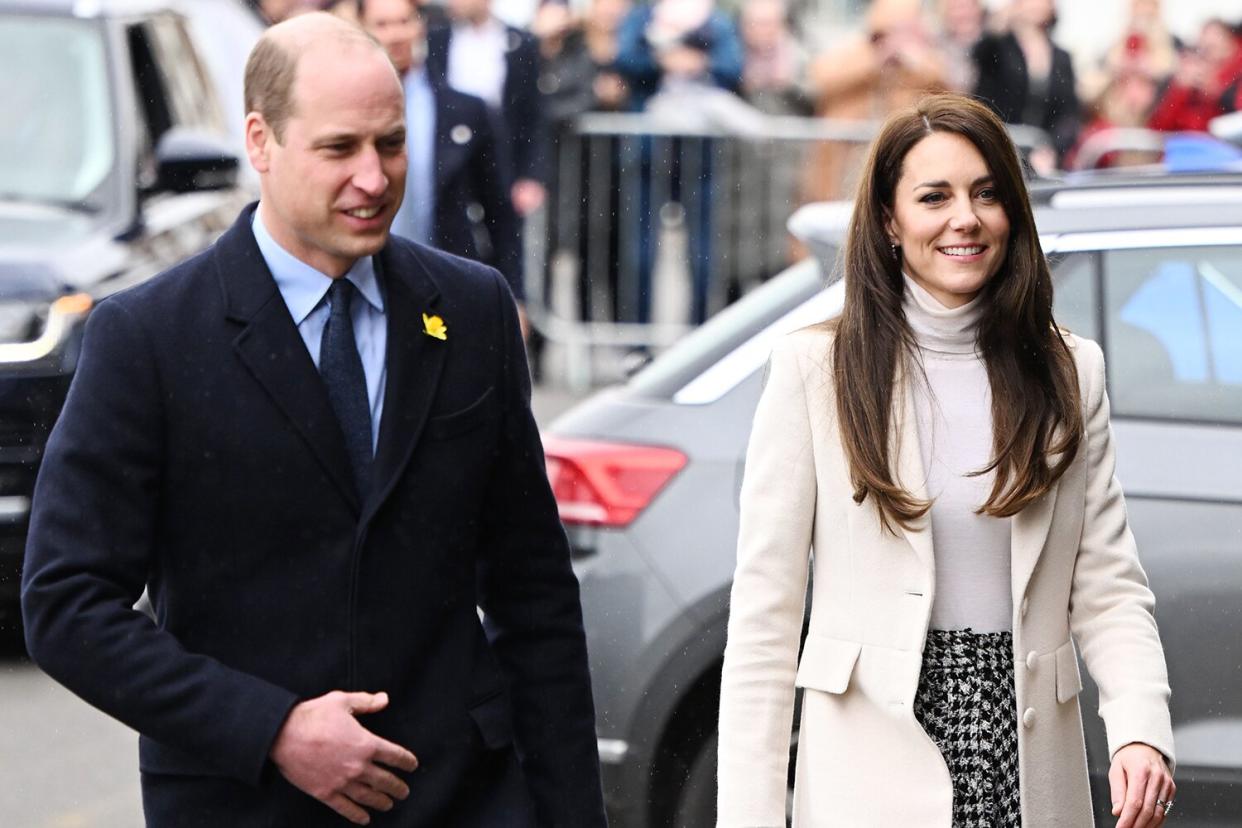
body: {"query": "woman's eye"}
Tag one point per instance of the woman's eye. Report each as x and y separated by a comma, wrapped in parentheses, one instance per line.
(987, 194)
(932, 198)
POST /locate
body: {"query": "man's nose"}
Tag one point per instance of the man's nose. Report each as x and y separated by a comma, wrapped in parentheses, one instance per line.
(369, 174)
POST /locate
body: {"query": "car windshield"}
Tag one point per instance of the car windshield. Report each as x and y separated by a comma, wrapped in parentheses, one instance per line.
(56, 146)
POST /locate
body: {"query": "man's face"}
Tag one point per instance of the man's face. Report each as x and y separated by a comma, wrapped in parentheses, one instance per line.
(763, 22)
(330, 190)
(398, 28)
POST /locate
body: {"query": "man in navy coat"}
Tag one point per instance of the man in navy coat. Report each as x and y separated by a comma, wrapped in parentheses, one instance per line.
(313, 445)
(478, 54)
(457, 191)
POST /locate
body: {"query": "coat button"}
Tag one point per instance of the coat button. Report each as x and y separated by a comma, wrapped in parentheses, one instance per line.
(1026, 603)
(1028, 718)
(1031, 659)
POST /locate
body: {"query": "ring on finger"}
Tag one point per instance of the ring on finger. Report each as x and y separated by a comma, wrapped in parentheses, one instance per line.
(1168, 806)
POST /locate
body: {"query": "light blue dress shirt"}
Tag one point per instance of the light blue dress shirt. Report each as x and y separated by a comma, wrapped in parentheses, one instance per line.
(305, 289)
(415, 218)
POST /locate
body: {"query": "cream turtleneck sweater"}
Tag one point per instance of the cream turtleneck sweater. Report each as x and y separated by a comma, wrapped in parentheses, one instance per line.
(954, 411)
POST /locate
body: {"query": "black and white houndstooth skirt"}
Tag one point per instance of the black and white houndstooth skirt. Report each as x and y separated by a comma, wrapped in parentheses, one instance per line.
(966, 704)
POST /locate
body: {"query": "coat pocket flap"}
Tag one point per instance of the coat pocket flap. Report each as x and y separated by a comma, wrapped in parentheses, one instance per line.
(444, 426)
(827, 663)
(1069, 680)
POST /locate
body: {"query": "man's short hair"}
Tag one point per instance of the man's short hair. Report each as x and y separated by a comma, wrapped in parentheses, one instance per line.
(270, 72)
(415, 5)
(272, 67)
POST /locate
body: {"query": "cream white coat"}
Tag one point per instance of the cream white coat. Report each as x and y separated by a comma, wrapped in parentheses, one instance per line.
(863, 760)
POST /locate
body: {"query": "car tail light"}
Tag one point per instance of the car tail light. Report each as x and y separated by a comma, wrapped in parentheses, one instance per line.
(606, 484)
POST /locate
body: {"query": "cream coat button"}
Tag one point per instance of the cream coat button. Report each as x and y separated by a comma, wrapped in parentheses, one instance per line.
(1031, 658)
(1026, 603)
(1028, 718)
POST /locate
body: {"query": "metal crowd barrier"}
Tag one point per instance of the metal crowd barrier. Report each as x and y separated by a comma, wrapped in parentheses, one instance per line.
(657, 220)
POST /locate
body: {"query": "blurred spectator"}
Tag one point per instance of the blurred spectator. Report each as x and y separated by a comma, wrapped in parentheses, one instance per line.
(277, 11)
(1146, 46)
(344, 9)
(1028, 79)
(578, 73)
(889, 65)
(601, 31)
(681, 49)
(675, 42)
(481, 56)
(774, 63)
(579, 76)
(1126, 102)
(1204, 75)
(960, 27)
(457, 190)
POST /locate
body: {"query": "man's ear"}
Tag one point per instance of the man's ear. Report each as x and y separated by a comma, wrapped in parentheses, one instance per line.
(259, 139)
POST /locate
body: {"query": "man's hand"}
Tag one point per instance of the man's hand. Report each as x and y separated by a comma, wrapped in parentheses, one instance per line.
(527, 195)
(322, 750)
(523, 322)
(1141, 784)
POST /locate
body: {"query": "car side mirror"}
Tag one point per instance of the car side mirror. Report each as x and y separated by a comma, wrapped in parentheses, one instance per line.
(190, 160)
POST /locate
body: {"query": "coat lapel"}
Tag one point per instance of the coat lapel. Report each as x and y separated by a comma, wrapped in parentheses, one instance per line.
(271, 348)
(414, 361)
(903, 437)
(1029, 532)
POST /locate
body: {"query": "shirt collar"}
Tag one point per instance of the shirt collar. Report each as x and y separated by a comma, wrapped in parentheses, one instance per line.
(302, 286)
(415, 79)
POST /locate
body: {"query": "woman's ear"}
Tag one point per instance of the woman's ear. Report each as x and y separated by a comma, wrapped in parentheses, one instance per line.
(890, 228)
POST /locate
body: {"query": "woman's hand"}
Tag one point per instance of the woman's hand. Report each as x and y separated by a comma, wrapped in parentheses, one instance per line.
(1141, 785)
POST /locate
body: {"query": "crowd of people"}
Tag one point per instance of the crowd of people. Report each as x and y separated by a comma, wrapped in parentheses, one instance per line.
(674, 55)
(616, 54)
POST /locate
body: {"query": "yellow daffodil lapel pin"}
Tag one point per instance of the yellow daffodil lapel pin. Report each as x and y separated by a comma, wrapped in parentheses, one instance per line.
(434, 326)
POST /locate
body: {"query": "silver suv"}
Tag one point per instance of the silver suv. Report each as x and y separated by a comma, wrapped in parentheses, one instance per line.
(647, 475)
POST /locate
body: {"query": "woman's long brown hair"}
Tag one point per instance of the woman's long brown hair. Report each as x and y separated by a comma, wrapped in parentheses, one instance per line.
(1036, 420)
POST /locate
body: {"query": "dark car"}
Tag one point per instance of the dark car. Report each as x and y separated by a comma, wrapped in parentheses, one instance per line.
(115, 163)
(648, 474)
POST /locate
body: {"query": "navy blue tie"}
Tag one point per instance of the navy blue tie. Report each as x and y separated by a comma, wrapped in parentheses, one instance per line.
(341, 369)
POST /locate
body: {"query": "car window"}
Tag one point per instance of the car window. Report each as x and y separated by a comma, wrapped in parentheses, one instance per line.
(223, 34)
(1074, 299)
(703, 349)
(151, 94)
(191, 100)
(1174, 332)
(57, 142)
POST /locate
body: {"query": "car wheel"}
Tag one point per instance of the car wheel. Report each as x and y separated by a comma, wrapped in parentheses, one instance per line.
(696, 806)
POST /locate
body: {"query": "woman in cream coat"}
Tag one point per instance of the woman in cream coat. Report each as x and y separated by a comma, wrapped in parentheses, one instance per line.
(963, 543)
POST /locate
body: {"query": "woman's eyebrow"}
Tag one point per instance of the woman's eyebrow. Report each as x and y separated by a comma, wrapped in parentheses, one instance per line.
(983, 179)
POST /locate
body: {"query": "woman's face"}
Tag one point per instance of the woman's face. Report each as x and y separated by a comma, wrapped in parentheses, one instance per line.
(947, 219)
